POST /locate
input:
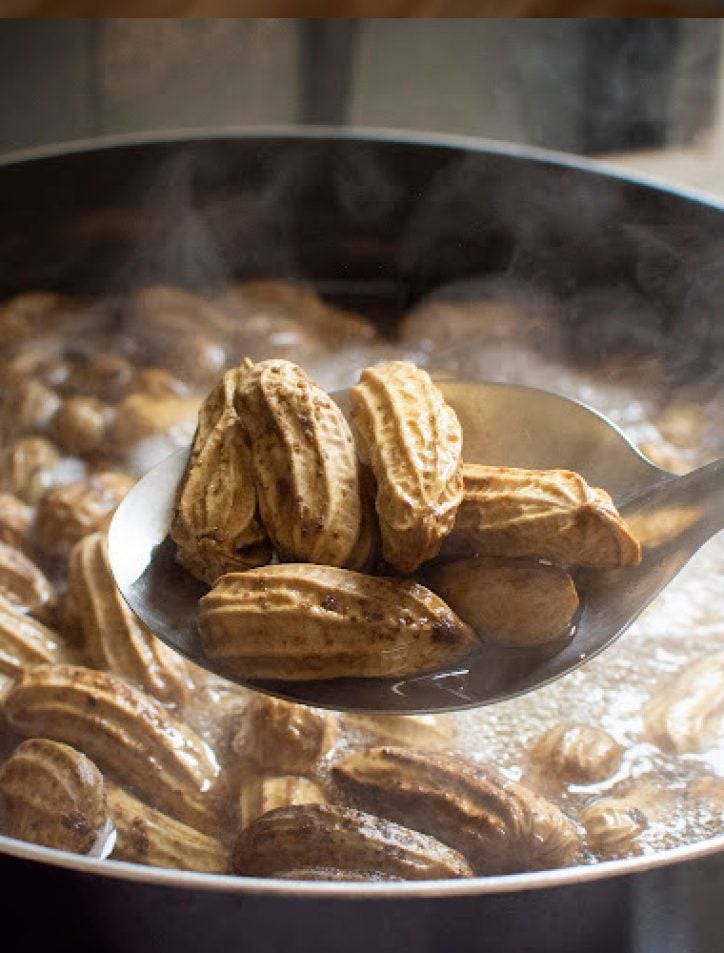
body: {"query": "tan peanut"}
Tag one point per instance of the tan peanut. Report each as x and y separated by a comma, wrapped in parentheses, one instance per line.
(146, 836)
(79, 425)
(215, 525)
(552, 514)
(15, 520)
(22, 582)
(28, 467)
(114, 637)
(105, 377)
(144, 415)
(614, 823)
(266, 307)
(53, 795)
(499, 825)
(322, 835)
(305, 463)
(25, 641)
(686, 712)
(179, 330)
(263, 793)
(126, 732)
(281, 737)
(68, 513)
(413, 441)
(26, 407)
(299, 621)
(578, 754)
(507, 601)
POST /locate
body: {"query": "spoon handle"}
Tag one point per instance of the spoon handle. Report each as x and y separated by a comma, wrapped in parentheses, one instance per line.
(692, 504)
(704, 488)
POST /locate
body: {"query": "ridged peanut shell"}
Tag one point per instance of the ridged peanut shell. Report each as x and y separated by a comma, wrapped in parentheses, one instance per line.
(305, 463)
(114, 637)
(28, 467)
(215, 524)
(263, 793)
(53, 795)
(614, 823)
(686, 712)
(126, 732)
(412, 439)
(15, 521)
(321, 835)
(24, 641)
(500, 826)
(514, 602)
(67, 513)
(578, 754)
(282, 737)
(301, 622)
(22, 582)
(552, 514)
(147, 836)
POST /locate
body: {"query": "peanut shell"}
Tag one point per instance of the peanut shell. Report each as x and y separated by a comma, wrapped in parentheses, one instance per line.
(507, 601)
(552, 514)
(126, 732)
(261, 794)
(500, 826)
(215, 524)
(321, 835)
(114, 637)
(53, 795)
(147, 836)
(24, 641)
(301, 622)
(413, 442)
(305, 463)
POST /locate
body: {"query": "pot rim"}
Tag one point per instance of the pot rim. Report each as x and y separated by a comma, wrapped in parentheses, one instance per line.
(412, 137)
(508, 883)
(476, 886)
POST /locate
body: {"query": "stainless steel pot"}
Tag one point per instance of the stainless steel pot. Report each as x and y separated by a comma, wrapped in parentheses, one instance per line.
(374, 220)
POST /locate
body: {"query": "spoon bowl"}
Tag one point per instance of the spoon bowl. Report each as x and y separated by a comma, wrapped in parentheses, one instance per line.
(503, 425)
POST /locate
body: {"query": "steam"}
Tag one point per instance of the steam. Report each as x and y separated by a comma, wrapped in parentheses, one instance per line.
(519, 271)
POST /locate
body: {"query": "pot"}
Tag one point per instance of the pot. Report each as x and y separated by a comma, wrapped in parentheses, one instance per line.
(375, 221)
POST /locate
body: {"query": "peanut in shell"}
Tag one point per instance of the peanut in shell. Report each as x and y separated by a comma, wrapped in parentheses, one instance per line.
(551, 514)
(500, 826)
(126, 732)
(147, 836)
(53, 795)
(305, 464)
(322, 835)
(216, 526)
(24, 641)
(113, 636)
(301, 622)
(516, 602)
(412, 440)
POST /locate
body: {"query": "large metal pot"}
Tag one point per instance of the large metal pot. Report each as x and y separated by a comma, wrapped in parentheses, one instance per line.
(375, 221)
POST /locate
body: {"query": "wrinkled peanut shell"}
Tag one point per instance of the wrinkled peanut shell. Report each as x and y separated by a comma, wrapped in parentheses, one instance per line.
(412, 440)
(301, 622)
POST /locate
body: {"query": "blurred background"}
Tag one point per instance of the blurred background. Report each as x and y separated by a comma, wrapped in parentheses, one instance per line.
(598, 87)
